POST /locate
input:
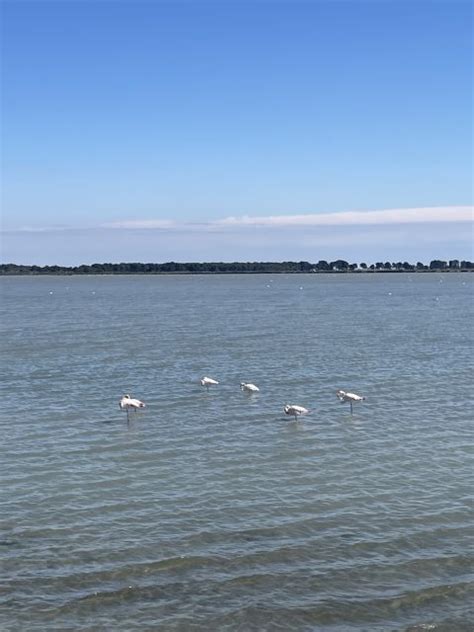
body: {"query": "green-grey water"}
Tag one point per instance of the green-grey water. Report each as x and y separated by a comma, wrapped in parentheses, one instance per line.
(211, 510)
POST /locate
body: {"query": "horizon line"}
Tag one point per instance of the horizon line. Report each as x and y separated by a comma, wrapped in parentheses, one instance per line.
(227, 263)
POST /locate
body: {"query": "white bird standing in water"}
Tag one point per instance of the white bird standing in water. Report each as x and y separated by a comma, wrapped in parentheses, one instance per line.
(129, 403)
(349, 397)
(295, 411)
(208, 381)
(249, 388)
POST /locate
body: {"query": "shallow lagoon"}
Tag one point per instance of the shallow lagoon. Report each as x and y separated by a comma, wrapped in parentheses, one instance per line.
(211, 510)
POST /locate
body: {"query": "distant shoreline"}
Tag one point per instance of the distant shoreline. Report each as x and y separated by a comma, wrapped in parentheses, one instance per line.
(287, 267)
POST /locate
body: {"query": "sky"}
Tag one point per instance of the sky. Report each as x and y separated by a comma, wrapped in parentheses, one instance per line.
(236, 130)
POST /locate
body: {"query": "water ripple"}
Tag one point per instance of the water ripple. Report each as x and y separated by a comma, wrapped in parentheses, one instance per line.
(210, 510)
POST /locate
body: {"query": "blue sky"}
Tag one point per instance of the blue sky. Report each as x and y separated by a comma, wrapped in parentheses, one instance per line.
(136, 131)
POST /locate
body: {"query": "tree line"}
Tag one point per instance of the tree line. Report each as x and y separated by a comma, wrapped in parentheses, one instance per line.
(172, 267)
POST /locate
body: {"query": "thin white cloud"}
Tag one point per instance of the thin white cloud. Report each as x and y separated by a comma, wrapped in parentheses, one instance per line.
(418, 215)
(142, 224)
(348, 218)
(35, 229)
(353, 218)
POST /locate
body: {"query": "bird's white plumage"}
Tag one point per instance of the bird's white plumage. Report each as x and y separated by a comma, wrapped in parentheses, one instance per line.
(349, 397)
(344, 396)
(294, 410)
(247, 386)
(208, 381)
(127, 403)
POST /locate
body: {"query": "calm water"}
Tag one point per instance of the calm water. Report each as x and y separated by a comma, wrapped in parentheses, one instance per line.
(211, 510)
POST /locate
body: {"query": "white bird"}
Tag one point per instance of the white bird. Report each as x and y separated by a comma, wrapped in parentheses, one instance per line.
(208, 381)
(349, 397)
(129, 403)
(295, 411)
(249, 388)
